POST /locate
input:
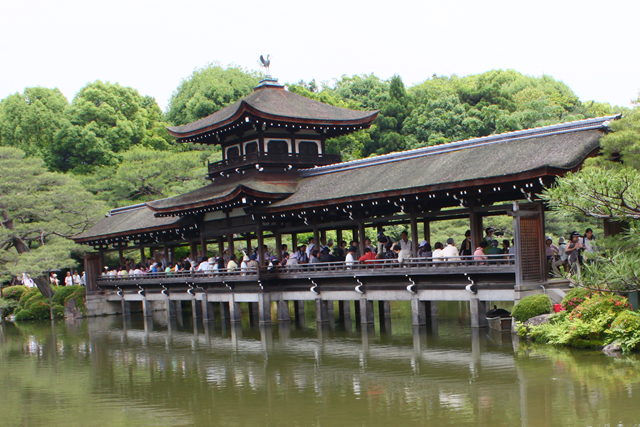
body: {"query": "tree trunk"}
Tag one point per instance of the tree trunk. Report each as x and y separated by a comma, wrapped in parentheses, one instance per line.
(42, 282)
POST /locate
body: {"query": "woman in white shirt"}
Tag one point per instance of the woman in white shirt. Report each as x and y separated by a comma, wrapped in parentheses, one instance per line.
(437, 255)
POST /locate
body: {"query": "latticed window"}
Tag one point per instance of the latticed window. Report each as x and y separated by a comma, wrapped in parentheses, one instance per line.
(531, 254)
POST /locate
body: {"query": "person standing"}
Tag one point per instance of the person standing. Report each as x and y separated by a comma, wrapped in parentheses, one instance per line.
(68, 280)
(589, 241)
(405, 245)
(76, 278)
(488, 238)
(573, 251)
(465, 247)
(450, 252)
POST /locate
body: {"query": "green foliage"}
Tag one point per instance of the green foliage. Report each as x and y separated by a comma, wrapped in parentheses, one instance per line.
(14, 292)
(40, 210)
(145, 174)
(625, 330)
(587, 326)
(598, 307)
(33, 305)
(103, 120)
(7, 306)
(207, 90)
(532, 306)
(30, 120)
(575, 297)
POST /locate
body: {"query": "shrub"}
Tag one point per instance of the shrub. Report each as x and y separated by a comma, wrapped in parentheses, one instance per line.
(625, 330)
(575, 297)
(600, 307)
(7, 306)
(532, 306)
(63, 293)
(14, 292)
(24, 315)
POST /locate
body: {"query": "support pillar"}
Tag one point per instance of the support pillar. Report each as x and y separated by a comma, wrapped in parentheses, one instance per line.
(344, 313)
(294, 243)
(477, 233)
(431, 308)
(121, 257)
(413, 223)
(323, 237)
(366, 311)
(193, 248)
(126, 308)
(196, 307)
(253, 313)
(356, 311)
(225, 311)
(316, 236)
(203, 248)
(264, 308)
(278, 244)
(362, 234)
(261, 251)
(230, 244)
(322, 311)
(220, 246)
(283, 311)
(418, 312)
(171, 308)
(208, 309)
(384, 310)
(298, 308)
(478, 311)
(143, 257)
(427, 231)
(147, 308)
(338, 237)
(235, 315)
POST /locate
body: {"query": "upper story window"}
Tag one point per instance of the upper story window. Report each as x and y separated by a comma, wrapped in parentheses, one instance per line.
(251, 147)
(277, 147)
(233, 152)
(308, 149)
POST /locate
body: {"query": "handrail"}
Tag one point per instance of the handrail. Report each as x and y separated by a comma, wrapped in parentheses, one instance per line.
(294, 158)
(462, 263)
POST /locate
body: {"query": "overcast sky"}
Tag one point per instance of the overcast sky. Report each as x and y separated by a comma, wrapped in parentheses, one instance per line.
(151, 45)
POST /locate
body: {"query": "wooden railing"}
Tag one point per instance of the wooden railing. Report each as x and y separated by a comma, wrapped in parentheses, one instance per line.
(286, 158)
(391, 267)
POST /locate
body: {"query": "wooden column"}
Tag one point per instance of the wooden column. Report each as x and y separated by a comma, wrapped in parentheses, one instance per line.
(413, 223)
(220, 246)
(167, 255)
(294, 242)
(261, 252)
(477, 233)
(121, 253)
(316, 236)
(278, 244)
(339, 237)
(143, 257)
(92, 269)
(427, 231)
(203, 247)
(249, 251)
(230, 244)
(193, 248)
(323, 237)
(361, 236)
(354, 233)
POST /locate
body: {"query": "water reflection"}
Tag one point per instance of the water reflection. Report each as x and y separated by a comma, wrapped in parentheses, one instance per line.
(141, 371)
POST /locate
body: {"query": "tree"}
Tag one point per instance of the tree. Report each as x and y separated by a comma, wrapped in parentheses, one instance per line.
(30, 120)
(387, 136)
(103, 120)
(608, 187)
(208, 90)
(40, 211)
(144, 175)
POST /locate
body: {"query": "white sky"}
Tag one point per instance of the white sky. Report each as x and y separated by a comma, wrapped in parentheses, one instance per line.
(151, 45)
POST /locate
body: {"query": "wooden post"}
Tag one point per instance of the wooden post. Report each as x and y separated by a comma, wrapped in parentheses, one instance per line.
(323, 237)
(316, 236)
(278, 244)
(193, 248)
(361, 236)
(249, 251)
(220, 245)
(230, 244)
(203, 247)
(294, 242)
(121, 253)
(477, 233)
(413, 223)
(261, 252)
(143, 257)
(338, 237)
(427, 231)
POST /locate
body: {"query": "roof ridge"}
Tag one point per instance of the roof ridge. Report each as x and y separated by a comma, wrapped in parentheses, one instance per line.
(126, 209)
(584, 124)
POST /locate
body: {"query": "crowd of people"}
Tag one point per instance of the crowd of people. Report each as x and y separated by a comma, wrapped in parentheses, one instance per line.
(492, 246)
(569, 255)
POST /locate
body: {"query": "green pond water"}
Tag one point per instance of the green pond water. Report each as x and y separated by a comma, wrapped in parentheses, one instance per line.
(116, 371)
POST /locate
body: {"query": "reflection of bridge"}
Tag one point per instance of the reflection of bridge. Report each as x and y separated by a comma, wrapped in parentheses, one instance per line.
(422, 281)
